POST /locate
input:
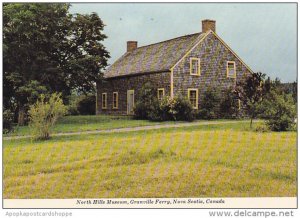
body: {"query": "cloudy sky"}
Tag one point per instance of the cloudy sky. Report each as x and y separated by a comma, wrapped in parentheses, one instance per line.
(263, 35)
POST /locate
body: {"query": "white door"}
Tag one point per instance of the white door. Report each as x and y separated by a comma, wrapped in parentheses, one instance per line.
(130, 101)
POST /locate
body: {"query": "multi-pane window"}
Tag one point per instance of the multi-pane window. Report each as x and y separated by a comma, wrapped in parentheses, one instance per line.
(193, 97)
(104, 100)
(231, 72)
(160, 93)
(195, 66)
(115, 100)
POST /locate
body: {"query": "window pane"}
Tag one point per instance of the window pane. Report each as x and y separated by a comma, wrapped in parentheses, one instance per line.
(195, 66)
(193, 98)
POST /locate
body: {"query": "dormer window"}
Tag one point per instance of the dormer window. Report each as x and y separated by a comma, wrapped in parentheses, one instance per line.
(195, 66)
(231, 70)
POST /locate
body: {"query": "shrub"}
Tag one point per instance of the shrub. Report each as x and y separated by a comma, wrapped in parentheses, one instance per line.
(82, 105)
(146, 101)
(280, 111)
(87, 105)
(44, 114)
(178, 108)
(8, 118)
(209, 106)
(229, 107)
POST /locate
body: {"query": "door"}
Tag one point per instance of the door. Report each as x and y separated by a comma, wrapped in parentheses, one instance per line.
(130, 101)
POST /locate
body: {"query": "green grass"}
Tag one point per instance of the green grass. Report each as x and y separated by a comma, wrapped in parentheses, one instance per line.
(86, 123)
(226, 160)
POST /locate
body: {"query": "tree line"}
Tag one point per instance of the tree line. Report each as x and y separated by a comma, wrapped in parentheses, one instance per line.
(47, 49)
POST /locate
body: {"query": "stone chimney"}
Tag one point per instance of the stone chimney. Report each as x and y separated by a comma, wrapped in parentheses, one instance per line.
(131, 45)
(208, 25)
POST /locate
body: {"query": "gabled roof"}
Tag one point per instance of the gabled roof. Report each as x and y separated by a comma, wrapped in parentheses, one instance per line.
(156, 57)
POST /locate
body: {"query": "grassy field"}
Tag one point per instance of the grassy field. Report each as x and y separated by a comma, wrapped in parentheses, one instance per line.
(225, 160)
(85, 123)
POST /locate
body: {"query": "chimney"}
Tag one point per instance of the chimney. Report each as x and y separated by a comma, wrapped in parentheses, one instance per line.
(131, 45)
(208, 25)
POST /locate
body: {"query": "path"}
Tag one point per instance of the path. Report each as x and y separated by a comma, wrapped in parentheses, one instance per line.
(132, 129)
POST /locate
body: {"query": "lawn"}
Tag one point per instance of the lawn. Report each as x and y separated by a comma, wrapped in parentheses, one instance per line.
(86, 123)
(227, 160)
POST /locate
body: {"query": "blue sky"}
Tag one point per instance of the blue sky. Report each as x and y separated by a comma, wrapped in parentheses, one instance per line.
(263, 35)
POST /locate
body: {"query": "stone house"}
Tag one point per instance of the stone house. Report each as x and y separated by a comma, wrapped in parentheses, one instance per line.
(185, 66)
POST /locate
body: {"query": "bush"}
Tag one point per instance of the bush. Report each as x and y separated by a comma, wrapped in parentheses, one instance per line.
(44, 114)
(280, 111)
(146, 101)
(229, 104)
(209, 106)
(87, 105)
(82, 105)
(8, 119)
(178, 108)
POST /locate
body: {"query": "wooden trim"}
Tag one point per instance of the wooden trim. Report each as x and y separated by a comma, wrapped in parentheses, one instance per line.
(206, 34)
(171, 85)
(117, 100)
(191, 66)
(105, 99)
(160, 89)
(218, 37)
(227, 69)
(197, 97)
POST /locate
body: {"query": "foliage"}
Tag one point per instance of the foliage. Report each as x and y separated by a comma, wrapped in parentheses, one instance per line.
(87, 105)
(43, 42)
(44, 114)
(251, 93)
(177, 108)
(8, 118)
(229, 107)
(149, 107)
(279, 110)
(146, 102)
(209, 106)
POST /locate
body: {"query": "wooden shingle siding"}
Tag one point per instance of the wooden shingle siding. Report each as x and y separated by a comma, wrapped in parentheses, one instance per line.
(213, 59)
(122, 84)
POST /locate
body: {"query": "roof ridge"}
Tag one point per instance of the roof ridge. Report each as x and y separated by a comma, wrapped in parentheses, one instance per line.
(199, 33)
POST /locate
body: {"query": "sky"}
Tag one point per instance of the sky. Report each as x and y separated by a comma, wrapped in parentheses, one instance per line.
(264, 35)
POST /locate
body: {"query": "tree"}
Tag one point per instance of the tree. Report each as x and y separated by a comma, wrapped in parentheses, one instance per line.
(279, 110)
(251, 93)
(229, 107)
(209, 104)
(44, 44)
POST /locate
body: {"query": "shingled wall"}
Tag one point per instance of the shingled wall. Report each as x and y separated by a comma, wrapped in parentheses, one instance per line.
(213, 63)
(122, 84)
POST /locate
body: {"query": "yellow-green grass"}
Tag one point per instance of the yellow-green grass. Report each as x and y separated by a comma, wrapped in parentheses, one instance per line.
(87, 123)
(226, 160)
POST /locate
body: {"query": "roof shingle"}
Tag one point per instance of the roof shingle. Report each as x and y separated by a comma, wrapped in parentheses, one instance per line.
(153, 58)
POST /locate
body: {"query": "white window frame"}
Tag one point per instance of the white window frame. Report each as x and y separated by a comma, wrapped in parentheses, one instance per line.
(191, 66)
(227, 68)
(197, 97)
(104, 97)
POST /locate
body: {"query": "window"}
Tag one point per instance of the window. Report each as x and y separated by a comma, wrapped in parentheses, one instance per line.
(231, 72)
(195, 66)
(104, 100)
(193, 97)
(115, 100)
(160, 93)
